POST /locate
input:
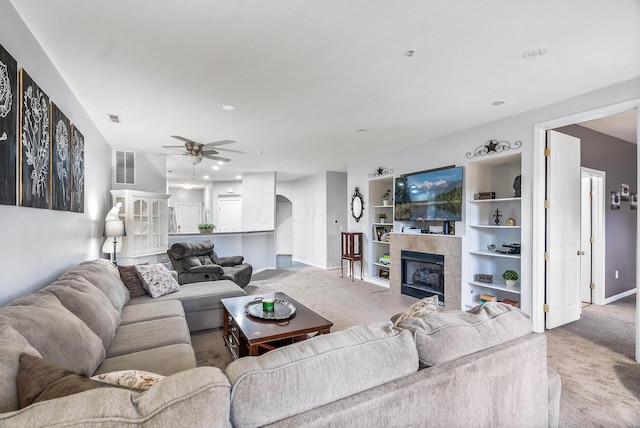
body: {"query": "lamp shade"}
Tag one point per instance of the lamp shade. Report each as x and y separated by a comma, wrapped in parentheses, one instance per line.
(114, 228)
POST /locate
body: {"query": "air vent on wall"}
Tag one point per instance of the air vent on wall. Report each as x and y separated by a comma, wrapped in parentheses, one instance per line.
(124, 163)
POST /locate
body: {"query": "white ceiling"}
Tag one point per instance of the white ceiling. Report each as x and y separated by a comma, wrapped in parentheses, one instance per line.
(622, 125)
(305, 76)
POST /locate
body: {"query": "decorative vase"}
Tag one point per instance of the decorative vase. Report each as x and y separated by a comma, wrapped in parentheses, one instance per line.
(511, 283)
(511, 221)
(385, 202)
(383, 219)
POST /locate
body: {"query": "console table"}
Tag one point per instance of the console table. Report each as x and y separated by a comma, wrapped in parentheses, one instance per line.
(352, 252)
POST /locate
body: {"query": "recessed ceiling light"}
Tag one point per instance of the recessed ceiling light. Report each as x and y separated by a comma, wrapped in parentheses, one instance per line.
(362, 130)
(206, 177)
(187, 186)
(215, 167)
(535, 52)
(220, 163)
(239, 177)
(226, 107)
(498, 102)
(410, 53)
(114, 118)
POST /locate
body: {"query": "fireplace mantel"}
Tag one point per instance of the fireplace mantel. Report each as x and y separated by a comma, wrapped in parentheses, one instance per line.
(450, 246)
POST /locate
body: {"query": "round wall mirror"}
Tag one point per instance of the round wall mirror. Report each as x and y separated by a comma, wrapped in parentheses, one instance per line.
(357, 205)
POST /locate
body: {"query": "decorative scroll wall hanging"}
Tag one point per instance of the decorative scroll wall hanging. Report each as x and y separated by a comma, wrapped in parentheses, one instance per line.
(380, 171)
(493, 146)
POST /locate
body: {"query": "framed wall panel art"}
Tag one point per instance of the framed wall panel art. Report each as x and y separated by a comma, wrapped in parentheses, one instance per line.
(77, 170)
(8, 127)
(34, 144)
(60, 160)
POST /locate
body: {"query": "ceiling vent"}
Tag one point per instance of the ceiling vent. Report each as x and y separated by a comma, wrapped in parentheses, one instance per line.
(114, 118)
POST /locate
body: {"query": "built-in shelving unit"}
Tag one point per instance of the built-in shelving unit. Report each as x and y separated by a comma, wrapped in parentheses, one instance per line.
(379, 229)
(492, 175)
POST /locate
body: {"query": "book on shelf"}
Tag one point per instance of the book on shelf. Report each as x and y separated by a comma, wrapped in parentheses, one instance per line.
(511, 302)
(484, 298)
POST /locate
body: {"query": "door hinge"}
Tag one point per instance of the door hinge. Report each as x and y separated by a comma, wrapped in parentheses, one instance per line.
(592, 193)
(546, 308)
(546, 256)
(592, 239)
(547, 152)
(592, 286)
(547, 204)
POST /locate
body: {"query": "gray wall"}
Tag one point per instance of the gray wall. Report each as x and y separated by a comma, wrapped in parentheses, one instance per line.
(150, 174)
(618, 159)
(38, 244)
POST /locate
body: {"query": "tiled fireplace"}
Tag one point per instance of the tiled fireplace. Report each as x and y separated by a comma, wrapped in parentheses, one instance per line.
(444, 249)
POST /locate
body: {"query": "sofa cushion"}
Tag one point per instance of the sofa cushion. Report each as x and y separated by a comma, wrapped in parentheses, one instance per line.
(89, 304)
(312, 373)
(41, 380)
(152, 310)
(446, 336)
(131, 280)
(181, 250)
(12, 344)
(104, 275)
(55, 332)
(199, 296)
(148, 335)
(165, 360)
(157, 279)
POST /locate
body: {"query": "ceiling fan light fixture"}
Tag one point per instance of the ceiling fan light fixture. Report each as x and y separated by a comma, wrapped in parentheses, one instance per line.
(194, 160)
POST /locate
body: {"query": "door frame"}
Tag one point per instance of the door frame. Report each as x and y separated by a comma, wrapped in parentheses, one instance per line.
(598, 233)
(537, 207)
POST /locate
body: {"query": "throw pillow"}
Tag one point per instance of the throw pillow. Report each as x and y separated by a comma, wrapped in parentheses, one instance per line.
(419, 309)
(41, 380)
(133, 379)
(157, 279)
(131, 280)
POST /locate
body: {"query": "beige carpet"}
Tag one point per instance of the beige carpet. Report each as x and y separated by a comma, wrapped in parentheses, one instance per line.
(595, 359)
(594, 356)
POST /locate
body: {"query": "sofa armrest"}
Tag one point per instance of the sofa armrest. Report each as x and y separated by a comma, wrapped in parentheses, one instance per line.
(211, 269)
(230, 261)
(198, 397)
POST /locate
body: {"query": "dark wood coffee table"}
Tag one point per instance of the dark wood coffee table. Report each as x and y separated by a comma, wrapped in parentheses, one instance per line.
(247, 335)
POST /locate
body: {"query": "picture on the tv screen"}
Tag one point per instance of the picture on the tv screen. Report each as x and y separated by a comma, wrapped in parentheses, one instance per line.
(429, 195)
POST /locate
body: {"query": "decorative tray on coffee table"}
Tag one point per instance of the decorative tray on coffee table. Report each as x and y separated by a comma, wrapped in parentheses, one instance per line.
(282, 310)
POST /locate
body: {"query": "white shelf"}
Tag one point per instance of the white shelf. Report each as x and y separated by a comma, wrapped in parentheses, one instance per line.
(380, 265)
(382, 224)
(382, 206)
(493, 226)
(484, 201)
(493, 254)
(380, 242)
(497, 286)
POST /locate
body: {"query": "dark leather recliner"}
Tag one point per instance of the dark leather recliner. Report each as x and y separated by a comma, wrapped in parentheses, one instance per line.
(198, 261)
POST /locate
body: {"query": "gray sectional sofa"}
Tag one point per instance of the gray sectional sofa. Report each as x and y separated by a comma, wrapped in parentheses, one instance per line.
(449, 369)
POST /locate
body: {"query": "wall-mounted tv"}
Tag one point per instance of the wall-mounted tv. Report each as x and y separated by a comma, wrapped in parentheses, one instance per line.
(429, 195)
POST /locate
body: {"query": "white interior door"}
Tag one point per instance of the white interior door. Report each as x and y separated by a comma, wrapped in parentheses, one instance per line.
(229, 214)
(284, 228)
(188, 217)
(585, 242)
(562, 282)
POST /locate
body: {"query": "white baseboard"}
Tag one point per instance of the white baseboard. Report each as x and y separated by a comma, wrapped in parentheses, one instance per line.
(619, 296)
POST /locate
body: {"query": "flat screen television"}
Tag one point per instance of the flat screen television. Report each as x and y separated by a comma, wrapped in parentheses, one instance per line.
(435, 194)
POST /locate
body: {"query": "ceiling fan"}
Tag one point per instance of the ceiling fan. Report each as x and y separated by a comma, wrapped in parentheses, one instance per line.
(198, 151)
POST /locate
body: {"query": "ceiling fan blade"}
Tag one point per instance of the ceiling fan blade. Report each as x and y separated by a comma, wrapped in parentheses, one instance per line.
(186, 140)
(218, 158)
(219, 143)
(229, 150)
(209, 152)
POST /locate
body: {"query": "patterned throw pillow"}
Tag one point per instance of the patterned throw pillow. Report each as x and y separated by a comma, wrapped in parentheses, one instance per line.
(420, 309)
(157, 279)
(131, 280)
(131, 379)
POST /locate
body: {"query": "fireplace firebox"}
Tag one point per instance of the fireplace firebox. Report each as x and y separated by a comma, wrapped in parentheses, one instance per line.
(422, 275)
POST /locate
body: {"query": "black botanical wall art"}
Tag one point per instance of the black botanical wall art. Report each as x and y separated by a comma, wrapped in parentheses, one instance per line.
(8, 127)
(77, 170)
(60, 160)
(34, 144)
